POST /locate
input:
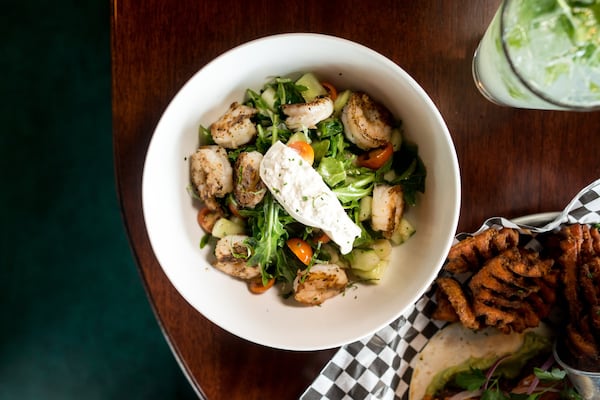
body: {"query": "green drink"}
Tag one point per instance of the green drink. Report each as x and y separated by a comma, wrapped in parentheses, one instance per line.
(542, 54)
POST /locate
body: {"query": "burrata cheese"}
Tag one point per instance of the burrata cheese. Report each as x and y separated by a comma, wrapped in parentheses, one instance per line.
(302, 192)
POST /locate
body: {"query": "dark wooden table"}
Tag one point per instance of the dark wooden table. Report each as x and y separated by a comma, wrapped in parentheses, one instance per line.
(513, 162)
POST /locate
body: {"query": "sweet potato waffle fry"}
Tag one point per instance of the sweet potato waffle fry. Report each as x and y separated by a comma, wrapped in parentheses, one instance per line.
(469, 254)
(509, 287)
(578, 256)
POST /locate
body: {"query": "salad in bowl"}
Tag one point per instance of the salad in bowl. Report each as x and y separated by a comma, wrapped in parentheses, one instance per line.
(335, 205)
(304, 186)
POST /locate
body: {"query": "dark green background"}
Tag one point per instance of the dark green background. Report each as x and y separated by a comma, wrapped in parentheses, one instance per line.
(76, 323)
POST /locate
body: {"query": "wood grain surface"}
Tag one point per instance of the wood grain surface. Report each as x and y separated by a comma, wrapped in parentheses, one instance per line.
(513, 162)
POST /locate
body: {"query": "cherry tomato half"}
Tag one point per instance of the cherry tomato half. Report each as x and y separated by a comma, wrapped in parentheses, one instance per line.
(376, 158)
(305, 150)
(301, 249)
(322, 238)
(331, 90)
(206, 218)
(256, 285)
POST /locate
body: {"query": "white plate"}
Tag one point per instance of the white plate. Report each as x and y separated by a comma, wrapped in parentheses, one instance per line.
(170, 214)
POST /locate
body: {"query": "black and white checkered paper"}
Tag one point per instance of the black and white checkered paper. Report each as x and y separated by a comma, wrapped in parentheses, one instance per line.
(380, 366)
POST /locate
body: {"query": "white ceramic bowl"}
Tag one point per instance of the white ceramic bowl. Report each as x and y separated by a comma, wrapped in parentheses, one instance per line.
(268, 319)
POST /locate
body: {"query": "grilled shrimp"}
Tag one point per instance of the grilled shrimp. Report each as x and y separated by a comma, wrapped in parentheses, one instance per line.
(231, 257)
(388, 208)
(212, 174)
(320, 283)
(307, 115)
(235, 128)
(248, 189)
(367, 123)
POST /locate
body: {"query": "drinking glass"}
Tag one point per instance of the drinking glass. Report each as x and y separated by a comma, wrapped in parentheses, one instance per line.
(541, 54)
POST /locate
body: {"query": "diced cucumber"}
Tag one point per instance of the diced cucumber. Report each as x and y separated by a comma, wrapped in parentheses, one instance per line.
(404, 231)
(314, 88)
(390, 175)
(340, 102)
(383, 248)
(269, 96)
(334, 256)
(396, 139)
(299, 137)
(237, 220)
(364, 259)
(375, 274)
(365, 208)
(225, 227)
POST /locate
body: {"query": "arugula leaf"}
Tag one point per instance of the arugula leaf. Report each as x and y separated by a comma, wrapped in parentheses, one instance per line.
(233, 154)
(267, 136)
(471, 380)
(193, 192)
(268, 235)
(205, 240)
(366, 237)
(287, 266)
(288, 92)
(204, 135)
(410, 171)
(330, 127)
(257, 101)
(270, 125)
(333, 130)
(355, 188)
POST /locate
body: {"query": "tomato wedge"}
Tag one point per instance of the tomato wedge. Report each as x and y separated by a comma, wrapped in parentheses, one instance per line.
(301, 249)
(256, 285)
(206, 218)
(305, 150)
(376, 158)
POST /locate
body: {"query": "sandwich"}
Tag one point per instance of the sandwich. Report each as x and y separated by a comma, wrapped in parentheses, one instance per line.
(459, 363)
